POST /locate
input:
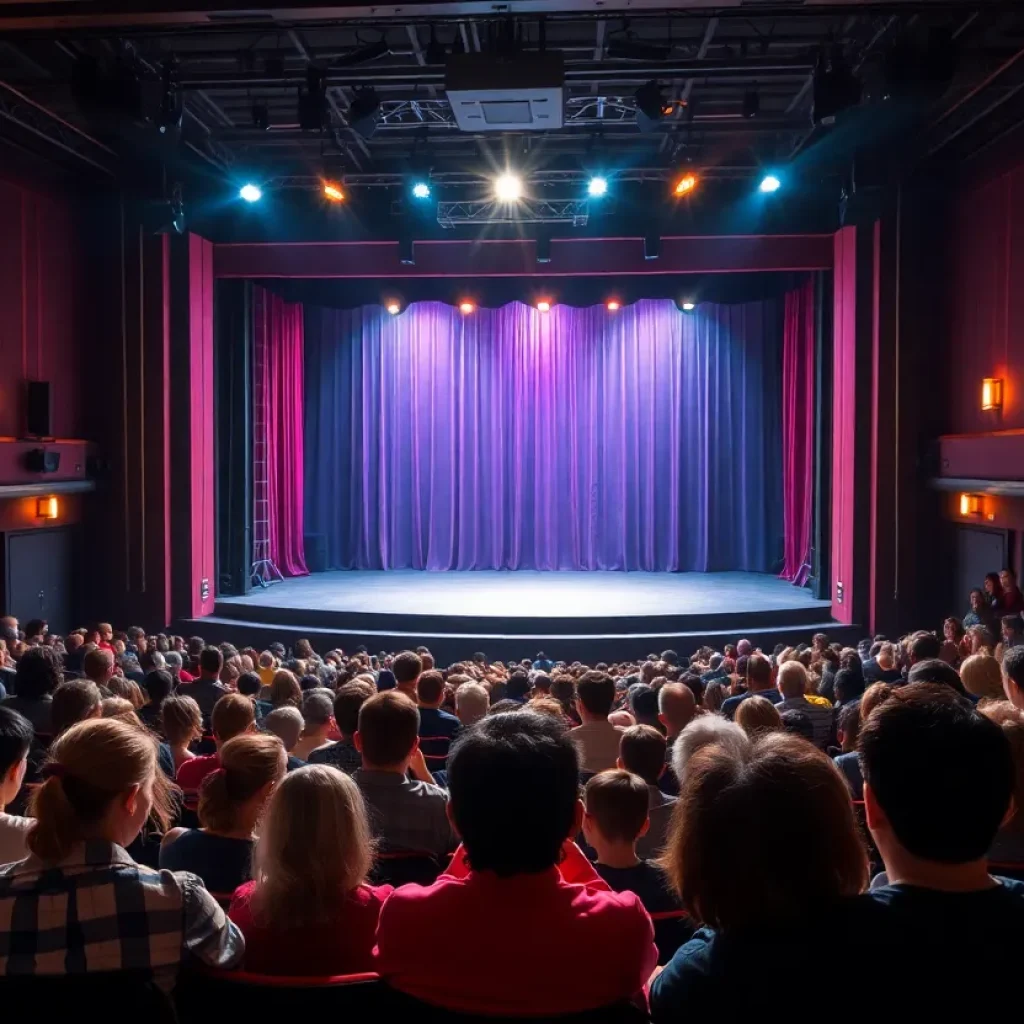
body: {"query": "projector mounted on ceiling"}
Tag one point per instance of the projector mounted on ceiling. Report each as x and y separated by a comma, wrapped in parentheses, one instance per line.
(493, 93)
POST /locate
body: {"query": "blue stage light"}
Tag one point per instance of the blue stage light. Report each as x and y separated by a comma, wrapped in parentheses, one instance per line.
(597, 187)
(769, 183)
(250, 193)
(421, 190)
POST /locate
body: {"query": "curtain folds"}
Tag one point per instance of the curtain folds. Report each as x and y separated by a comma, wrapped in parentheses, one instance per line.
(278, 465)
(647, 439)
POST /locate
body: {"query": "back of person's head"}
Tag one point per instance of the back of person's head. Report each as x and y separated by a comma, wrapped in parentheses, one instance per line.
(430, 688)
(848, 685)
(541, 683)
(706, 730)
(285, 689)
(563, 689)
(181, 721)
(119, 707)
(756, 715)
(518, 686)
(936, 671)
(388, 730)
(1012, 624)
(471, 702)
(982, 676)
(714, 697)
(90, 766)
(886, 657)
(74, 700)
(39, 673)
(249, 684)
(232, 715)
(286, 724)
(848, 727)
(616, 804)
(15, 739)
(98, 664)
(1010, 719)
(314, 847)
(642, 752)
(304, 649)
(939, 771)
(249, 764)
(759, 672)
(643, 702)
(798, 723)
(924, 647)
(506, 771)
(347, 702)
(782, 798)
(677, 706)
(407, 667)
(211, 661)
(266, 660)
(596, 692)
(318, 708)
(792, 679)
(159, 684)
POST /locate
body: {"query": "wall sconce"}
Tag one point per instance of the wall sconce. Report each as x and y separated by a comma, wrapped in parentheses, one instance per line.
(47, 508)
(970, 505)
(992, 393)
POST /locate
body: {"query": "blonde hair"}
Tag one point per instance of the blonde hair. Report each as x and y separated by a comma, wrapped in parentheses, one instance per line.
(182, 720)
(119, 707)
(1010, 719)
(285, 689)
(982, 675)
(314, 847)
(247, 764)
(128, 690)
(90, 765)
(757, 715)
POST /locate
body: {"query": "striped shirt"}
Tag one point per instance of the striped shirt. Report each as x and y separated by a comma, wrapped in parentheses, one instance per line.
(97, 910)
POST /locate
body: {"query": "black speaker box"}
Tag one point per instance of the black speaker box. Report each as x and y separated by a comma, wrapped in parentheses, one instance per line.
(316, 551)
(38, 416)
(39, 460)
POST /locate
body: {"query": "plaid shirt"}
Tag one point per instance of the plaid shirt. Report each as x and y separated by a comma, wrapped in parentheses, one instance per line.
(406, 815)
(342, 754)
(97, 910)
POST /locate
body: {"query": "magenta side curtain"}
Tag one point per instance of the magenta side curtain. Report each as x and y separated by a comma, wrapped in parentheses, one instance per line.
(277, 412)
(798, 431)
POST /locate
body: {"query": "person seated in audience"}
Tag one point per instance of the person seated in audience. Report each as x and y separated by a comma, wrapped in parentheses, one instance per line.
(596, 738)
(515, 887)
(286, 724)
(642, 753)
(792, 683)
(1012, 600)
(707, 729)
(231, 802)
(471, 703)
(848, 760)
(759, 683)
(756, 716)
(343, 754)
(317, 722)
(99, 666)
(309, 909)
(207, 689)
(715, 695)
(980, 613)
(785, 800)
(285, 691)
(74, 700)
(39, 673)
(437, 727)
(181, 723)
(159, 686)
(1008, 846)
(1012, 632)
(15, 740)
(677, 707)
(938, 784)
(407, 668)
(1013, 676)
(982, 677)
(406, 815)
(96, 909)
(232, 716)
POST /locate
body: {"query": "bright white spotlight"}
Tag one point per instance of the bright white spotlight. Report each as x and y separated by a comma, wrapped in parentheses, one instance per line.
(421, 190)
(544, 306)
(689, 307)
(508, 188)
(250, 193)
(769, 183)
(597, 186)
(393, 308)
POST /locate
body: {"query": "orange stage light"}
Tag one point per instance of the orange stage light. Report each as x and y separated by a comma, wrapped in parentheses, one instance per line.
(543, 306)
(466, 307)
(334, 192)
(612, 306)
(687, 183)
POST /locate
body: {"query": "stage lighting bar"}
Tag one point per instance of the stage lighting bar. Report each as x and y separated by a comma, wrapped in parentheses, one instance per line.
(526, 211)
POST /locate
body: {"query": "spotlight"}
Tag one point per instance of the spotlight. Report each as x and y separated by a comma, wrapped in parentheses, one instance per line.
(466, 307)
(650, 106)
(689, 307)
(834, 86)
(769, 183)
(612, 306)
(421, 190)
(334, 192)
(364, 113)
(597, 187)
(393, 308)
(508, 188)
(687, 183)
(250, 193)
(543, 306)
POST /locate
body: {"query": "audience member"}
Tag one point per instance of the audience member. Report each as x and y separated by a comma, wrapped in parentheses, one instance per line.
(407, 668)
(286, 724)
(15, 740)
(708, 729)
(181, 723)
(232, 715)
(99, 666)
(596, 738)
(159, 686)
(285, 690)
(1013, 676)
(437, 728)
(755, 716)
(759, 683)
(642, 753)
(207, 689)
(74, 700)
(471, 702)
(715, 695)
(1008, 846)
(982, 677)
(39, 673)
(343, 754)
(317, 722)
(793, 685)
(1012, 601)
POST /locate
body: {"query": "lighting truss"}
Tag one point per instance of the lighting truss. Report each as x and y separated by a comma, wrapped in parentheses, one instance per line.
(437, 113)
(525, 211)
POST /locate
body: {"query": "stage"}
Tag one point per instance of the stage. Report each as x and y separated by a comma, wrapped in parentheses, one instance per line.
(587, 615)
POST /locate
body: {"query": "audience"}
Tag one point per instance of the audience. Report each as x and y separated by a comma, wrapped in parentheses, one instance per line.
(759, 683)
(757, 715)
(793, 685)
(343, 754)
(181, 723)
(38, 674)
(471, 703)
(642, 753)
(207, 689)
(437, 728)
(317, 722)
(596, 738)
(1008, 846)
(286, 724)
(15, 741)
(407, 667)
(232, 715)
(73, 701)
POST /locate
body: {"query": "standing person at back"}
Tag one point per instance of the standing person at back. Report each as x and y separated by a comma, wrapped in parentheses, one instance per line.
(207, 689)
(597, 740)
(759, 683)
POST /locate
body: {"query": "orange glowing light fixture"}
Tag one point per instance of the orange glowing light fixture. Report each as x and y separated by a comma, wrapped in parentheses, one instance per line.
(992, 393)
(544, 306)
(47, 508)
(686, 184)
(612, 306)
(970, 505)
(466, 307)
(334, 192)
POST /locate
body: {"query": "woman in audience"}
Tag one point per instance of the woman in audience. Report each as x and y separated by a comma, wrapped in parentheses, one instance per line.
(284, 690)
(714, 696)
(993, 591)
(181, 723)
(309, 910)
(982, 676)
(981, 611)
(231, 801)
(702, 732)
(159, 686)
(101, 910)
(755, 716)
(788, 802)
(1008, 847)
(74, 700)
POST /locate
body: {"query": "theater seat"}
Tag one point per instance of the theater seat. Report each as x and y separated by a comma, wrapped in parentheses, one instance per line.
(672, 928)
(405, 868)
(1003, 870)
(63, 997)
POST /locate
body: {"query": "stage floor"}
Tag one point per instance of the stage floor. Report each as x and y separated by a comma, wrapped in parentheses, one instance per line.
(531, 594)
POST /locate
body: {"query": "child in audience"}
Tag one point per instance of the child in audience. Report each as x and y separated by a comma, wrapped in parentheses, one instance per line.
(79, 903)
(308, 910)
(15, 740)
(517, 883)
(642, 752)
(231, 801)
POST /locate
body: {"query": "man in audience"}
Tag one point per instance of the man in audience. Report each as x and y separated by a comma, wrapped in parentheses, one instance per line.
(642, 752)
(407, 668)
(286, 724)
(437, 728)
(343, 754)
(98, 667)
(792, 684)
(643, 703)
(515, 804)
(207, 689)
(15, 741)
(759, 682)
(596, 738)
(1012, 601)
(39, 673)
(938, 781)
(317, 722)
(471, 703)
(924, 647)
(1012, 630)
(677, 707)
(405, 814)
(1013, 676)
(233, 715)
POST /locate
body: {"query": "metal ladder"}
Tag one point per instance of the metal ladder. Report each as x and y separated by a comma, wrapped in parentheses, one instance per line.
(264, 572)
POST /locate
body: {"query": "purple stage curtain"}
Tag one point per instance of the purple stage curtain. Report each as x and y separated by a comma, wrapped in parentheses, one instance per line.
(798, 431)
(277, 420)
(647, 439)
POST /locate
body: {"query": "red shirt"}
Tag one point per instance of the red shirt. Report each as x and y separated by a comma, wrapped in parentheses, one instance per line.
(341, 946)
(191, 774)
(530, 944)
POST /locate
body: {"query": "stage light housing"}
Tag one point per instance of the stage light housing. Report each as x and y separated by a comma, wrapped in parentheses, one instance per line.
(544, 306)
(334, 192)
(970, 505)
(992, 393)
(47, 508)
(770, 183)
(508, 188)
(394, 308)
(250, 193)
(597, 187)
(466, 308)
(689, 307)
(420, 190)
(686, 184)
(613, 306)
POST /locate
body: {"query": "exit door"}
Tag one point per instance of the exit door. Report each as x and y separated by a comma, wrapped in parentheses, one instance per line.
(39, 577)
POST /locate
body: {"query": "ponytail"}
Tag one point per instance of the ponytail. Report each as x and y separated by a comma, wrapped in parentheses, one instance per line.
(247, 764)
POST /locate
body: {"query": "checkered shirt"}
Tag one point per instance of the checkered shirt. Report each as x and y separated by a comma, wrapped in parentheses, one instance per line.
(342, 754)
(97, 910)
